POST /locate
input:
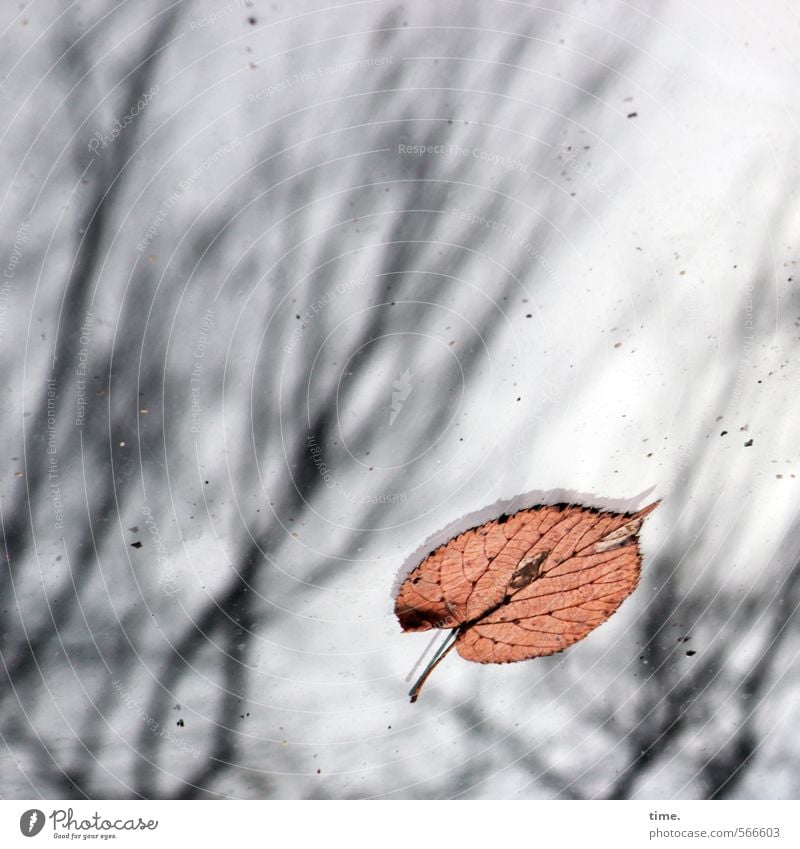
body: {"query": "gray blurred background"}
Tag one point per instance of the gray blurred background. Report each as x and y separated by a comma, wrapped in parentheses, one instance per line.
(288, 288)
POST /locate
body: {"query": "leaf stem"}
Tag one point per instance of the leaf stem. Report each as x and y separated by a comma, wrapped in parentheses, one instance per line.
(449, 642)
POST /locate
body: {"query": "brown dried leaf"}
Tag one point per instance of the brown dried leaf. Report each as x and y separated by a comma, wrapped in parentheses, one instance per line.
(525, 585)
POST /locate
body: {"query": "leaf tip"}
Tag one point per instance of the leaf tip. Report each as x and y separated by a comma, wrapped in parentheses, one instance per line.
(645, 511)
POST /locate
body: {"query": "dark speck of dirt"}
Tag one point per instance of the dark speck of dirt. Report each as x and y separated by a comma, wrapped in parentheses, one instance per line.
(179, 723)
(691, 653)
(748, 443)
(136, 544)
(633, 114)
(723, 433)
(251, 21)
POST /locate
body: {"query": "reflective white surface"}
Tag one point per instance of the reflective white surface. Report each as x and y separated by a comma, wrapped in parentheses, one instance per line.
(287, 346)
